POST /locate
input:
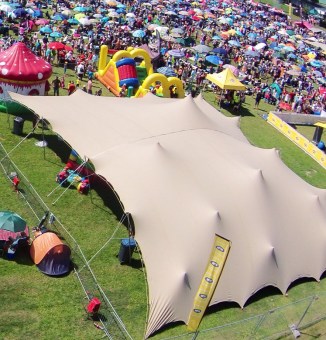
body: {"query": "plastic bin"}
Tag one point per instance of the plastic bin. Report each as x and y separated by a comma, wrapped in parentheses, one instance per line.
(18, 126)
(127, 248)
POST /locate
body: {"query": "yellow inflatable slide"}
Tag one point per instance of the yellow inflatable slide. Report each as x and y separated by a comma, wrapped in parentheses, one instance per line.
(124, 69)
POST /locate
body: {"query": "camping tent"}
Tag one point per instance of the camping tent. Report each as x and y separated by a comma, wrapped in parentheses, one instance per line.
(185, 173)
(51, 256)
(226, 80)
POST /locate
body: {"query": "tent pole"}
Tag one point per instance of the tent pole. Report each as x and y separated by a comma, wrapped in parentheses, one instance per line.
(8, 116)
(221, 98)
(87, 176)
(43, 138)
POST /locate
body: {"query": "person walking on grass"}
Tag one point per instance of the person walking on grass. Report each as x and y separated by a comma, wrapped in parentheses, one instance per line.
(56, 83)
(259, 96)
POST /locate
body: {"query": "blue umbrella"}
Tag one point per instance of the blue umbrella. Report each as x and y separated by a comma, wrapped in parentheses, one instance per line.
(252, 54)
(81, 9)
(46, 29)
(167, 71)
(74, 21)
(273, 45)
(238, 33)
(234, 43)
(316, 63)
(216, 37)
(37, 14)
(258, 25)
(291, 56)
(219, 50)
(252, 35)
(20, 12)
(213, 59)
(58, 17)
(56, 35)
(138, 34)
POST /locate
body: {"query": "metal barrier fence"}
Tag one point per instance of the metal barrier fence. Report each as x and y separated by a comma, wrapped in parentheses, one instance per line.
(110, 321)
(274, 324)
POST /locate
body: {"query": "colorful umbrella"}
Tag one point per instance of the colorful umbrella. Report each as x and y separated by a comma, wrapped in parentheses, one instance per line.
(202, 48)
(56, 45)
(176, 53)
(213, 59)
(81, 9)
(46, 30)
(167, 71)
(11, 221)
(234, 70)
(56, 35)
(234, 43)
(138, 34)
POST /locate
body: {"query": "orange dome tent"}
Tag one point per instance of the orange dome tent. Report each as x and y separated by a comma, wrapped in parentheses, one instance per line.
(50, 254)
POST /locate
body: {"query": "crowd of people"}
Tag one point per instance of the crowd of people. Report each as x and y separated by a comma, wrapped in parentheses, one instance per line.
(264, 44)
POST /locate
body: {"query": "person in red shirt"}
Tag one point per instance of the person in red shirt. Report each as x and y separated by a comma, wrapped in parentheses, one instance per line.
(71, 88)
(15, 183)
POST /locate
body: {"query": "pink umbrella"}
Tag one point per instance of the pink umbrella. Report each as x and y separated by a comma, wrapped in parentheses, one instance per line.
(40, 22)
(234, 70)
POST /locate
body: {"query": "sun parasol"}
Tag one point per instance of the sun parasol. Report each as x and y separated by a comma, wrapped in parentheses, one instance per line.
(84, 21)
(56, 35)
(57, 45)
(176, 53)
(42, 22)
(202, 48)
(139, 34)
(46, 30)
(213, 59)
(11, 221)
(167, 71)
(234, 70)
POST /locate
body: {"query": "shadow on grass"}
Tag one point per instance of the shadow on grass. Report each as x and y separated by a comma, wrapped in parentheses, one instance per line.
(242, 112)
(171, 325)
(134, 263)
(59, 147)
(300, 281)
(262, 294)
(22, 257)
(109, 197)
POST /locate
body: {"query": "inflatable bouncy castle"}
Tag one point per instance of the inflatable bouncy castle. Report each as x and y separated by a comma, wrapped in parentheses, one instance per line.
(133, 69)
(23, 72)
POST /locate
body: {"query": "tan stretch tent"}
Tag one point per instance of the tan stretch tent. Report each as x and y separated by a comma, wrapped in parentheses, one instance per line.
(185, 173)
(226, 80)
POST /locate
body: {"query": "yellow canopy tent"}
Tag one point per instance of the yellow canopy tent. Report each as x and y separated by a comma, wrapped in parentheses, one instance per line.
(322, 125)
(226, 80)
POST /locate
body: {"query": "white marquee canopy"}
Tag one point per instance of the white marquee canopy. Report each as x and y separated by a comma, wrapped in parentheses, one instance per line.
(185, 172)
